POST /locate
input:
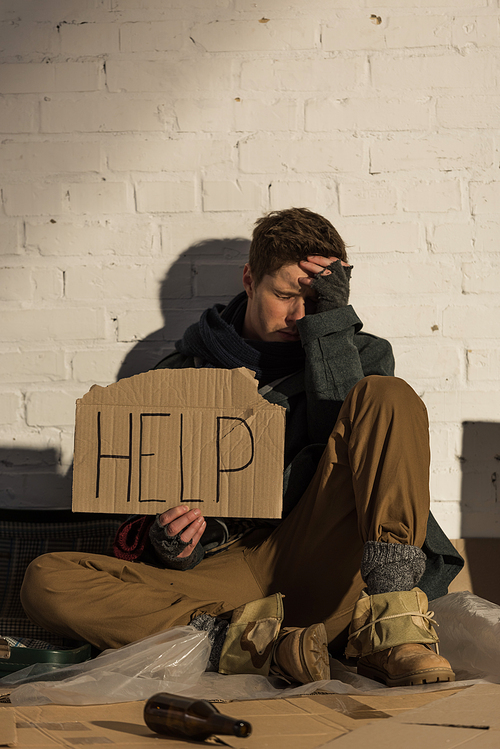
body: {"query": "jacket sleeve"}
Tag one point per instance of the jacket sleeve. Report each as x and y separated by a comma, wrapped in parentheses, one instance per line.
(338, 355)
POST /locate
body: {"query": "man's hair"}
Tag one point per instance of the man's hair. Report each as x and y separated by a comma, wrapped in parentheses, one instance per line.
(286, 237)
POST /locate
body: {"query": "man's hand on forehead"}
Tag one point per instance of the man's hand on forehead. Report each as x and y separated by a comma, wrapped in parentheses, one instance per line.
(317, 264)
(328, 279)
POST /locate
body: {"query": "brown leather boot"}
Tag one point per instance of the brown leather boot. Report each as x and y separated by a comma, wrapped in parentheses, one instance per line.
(301, 654)
(406, 665)
(393, 636)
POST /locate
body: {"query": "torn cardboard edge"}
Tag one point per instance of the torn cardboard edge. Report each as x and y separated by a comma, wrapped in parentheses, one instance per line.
(200, 437)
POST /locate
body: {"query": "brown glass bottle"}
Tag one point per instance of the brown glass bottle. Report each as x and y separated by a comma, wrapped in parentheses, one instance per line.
(185, 717)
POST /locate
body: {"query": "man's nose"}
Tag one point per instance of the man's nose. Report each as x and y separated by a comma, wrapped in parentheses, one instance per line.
(297, 310)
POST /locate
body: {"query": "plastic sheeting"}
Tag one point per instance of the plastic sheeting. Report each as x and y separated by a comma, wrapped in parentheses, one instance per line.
(175, 661)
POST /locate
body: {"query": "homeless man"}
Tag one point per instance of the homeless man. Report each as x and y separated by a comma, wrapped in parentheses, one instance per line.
(356, 554)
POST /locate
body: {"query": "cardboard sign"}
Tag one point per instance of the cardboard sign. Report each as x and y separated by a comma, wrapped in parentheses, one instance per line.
(201, 437)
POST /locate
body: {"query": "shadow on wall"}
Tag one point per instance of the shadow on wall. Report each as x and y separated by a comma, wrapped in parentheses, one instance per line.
(205, 274)
(33, 479)
(480, 505)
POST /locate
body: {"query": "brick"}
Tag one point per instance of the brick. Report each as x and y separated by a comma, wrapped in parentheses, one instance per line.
(165, 197)
(469, 112)
(160, 4)
(433, 197)
(353, 34)
(98, 365)
(480, 524)
(35, 490)
(232, 196)
(89, 38)
(177, 283)
(449, 516)
(101, 115)
(131, 236)
(452, 71)
(99, 197)
(465, 405)
(227, 234)
(59, 324)
(168, 156)
(218, 280)
(415, 31)
(77, 76)
(134, 325)
(487, 235)
(18, 116)
(452, 238)
(399, 322)
(360, 32)
(484, 197)
(52, 407)
(156, 36)
(27, 38)
(445, 442)
(39, 12)
(204, 115)
(303, 194)
(276, 116)
(32, 448)
(432, 4)
(318, 156)
(306, 75)
(384, 237)
(189, 75)
(9, 238)
(406, 277)
(10, 404)
(482, 31)
(482, 277)
(483, 364)
(32, 366)
(445, 483)
(429, 362)
(50, 158)
(27, 78)
(32, 200)
(252, 36)
(367, 199)
(110, 282)
(445, 153)
(48, 284)
(212, 115)
(471, 322)
(366, 114)
(15, 284)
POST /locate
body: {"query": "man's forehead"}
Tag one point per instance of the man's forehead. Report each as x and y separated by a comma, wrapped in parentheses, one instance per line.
(288, 274)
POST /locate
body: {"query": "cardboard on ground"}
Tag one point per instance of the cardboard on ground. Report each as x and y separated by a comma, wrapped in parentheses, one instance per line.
(201, 437)
(412, 721)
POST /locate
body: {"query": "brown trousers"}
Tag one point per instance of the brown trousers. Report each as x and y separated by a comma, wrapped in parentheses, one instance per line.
(372, 483)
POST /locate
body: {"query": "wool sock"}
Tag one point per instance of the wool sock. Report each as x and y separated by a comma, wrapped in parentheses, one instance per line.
(386, 567)
(216, 630)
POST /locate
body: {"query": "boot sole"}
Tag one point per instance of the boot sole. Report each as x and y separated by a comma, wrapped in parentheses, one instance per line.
(320, 669)
(431, 676)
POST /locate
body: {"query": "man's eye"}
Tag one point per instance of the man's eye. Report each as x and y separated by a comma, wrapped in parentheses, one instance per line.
(282, 296)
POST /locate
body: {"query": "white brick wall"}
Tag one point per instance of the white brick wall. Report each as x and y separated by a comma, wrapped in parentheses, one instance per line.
(141, 139)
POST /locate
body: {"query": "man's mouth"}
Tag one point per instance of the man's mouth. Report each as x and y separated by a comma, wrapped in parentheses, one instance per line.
(289, 335)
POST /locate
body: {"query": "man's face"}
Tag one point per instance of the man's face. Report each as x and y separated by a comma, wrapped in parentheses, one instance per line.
(275, 305)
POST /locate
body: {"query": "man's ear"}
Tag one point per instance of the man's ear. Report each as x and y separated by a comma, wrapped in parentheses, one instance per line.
(248, 282)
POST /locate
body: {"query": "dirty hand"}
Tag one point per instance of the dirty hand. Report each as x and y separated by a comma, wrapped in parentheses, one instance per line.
(190, 524)
(328, 278)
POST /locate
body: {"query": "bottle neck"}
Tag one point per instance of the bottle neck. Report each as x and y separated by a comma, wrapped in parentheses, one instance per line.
(225, 725)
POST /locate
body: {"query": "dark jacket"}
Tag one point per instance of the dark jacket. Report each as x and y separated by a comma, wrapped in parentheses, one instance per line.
(337, 355)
